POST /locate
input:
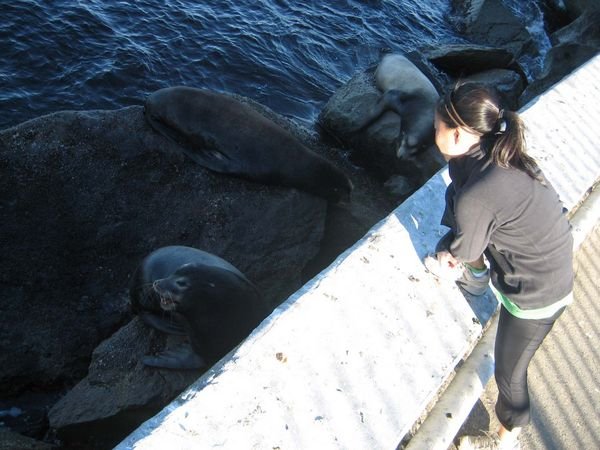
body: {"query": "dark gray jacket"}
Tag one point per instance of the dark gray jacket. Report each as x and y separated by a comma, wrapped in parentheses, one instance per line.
(518, 222)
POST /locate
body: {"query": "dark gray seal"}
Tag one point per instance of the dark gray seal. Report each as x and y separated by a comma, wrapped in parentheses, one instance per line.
(186, 291)
(410, 94)
(228, 136)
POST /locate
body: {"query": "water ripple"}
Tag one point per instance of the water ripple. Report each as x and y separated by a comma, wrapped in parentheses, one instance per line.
(288, 55)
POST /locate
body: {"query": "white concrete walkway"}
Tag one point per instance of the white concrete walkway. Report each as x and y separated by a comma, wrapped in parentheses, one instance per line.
(353, 359)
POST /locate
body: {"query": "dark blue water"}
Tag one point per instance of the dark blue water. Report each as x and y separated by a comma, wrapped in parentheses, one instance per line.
(289, 55)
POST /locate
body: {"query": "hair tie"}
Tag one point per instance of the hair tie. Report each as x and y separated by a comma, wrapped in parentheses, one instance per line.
(501, 123)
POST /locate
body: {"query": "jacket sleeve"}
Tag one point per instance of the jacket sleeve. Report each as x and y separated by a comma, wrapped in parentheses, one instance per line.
(474, 225)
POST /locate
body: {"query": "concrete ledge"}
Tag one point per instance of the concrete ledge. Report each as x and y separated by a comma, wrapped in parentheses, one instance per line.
(354, 358)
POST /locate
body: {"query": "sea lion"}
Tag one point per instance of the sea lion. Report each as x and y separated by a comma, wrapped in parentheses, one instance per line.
(409, 93)
(186, 291)
(228, 136)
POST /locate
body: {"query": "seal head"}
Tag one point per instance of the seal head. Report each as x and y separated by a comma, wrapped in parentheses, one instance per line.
(184, 291)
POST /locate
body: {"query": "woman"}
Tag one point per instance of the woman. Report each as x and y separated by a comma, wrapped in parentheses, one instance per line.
(499, 205)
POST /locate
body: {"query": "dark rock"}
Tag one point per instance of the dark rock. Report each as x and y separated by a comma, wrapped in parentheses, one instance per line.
(374, 147)
(490, 22)
(462, 60)
(575, 8)
(555, 15)
(584, 30)
(119, 391)
(573, 45)
(560, 61)
(15, 441)
(84, 197)
(508, 83)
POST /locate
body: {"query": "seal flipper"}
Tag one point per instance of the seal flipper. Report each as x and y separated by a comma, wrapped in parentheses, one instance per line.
(210, 158)
(390, 100)
(199, 148)
(182, 357)
(169, 326)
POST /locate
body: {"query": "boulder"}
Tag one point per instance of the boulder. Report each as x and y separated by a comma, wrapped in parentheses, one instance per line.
(490, 22)
(507, 82)
(576, 8)
(84, 197)
(459, 60)
(573, 45)
(14, 441)
(119, 392)
(584, 30)
(559, 62)
(555, 15)
(375, 147)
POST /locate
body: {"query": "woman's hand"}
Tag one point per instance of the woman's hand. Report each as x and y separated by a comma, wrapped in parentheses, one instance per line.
(443, 265)
(446, 260)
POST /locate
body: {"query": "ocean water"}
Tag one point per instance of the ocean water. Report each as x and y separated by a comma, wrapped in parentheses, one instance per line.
(288, 55)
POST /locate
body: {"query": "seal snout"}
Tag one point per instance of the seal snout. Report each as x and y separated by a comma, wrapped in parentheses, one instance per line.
(168, 301)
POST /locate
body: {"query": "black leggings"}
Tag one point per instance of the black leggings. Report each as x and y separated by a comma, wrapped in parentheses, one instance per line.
(517, 340)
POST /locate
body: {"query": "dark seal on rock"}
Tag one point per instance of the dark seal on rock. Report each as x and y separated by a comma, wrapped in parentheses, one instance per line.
(228, 136)
(186, 291)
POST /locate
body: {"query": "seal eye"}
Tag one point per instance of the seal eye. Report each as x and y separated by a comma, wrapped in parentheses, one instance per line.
(181, 283)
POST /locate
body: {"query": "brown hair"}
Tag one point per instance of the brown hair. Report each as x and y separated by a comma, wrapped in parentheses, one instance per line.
(478, 108)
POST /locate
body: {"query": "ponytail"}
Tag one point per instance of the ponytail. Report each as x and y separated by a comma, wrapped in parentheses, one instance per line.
(508, 148)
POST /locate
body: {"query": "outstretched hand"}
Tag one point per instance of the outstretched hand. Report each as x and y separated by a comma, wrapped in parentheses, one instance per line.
(446, 260)
(443, 265)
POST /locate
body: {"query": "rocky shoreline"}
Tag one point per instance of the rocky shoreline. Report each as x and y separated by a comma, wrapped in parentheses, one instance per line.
(87, 194)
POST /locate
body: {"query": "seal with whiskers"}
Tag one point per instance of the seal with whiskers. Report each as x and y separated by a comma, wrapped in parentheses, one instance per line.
(185, 291)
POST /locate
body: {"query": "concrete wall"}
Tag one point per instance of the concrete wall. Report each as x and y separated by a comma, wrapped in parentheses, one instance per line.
(353, 359)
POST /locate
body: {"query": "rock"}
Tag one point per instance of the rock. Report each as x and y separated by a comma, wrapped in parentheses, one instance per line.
(507, 82)
(559, 62)
(119, 392)
(15, 441)
(490, 22)
(584, 30)
(374, 147)
(555, 15)
(460, 60)
(489, 65)
(573, 45)
(575, 8)
(84, 197)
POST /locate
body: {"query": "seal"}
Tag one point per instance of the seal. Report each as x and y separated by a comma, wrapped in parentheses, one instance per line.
(409, 93)
(228, 136)
(185, 291)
